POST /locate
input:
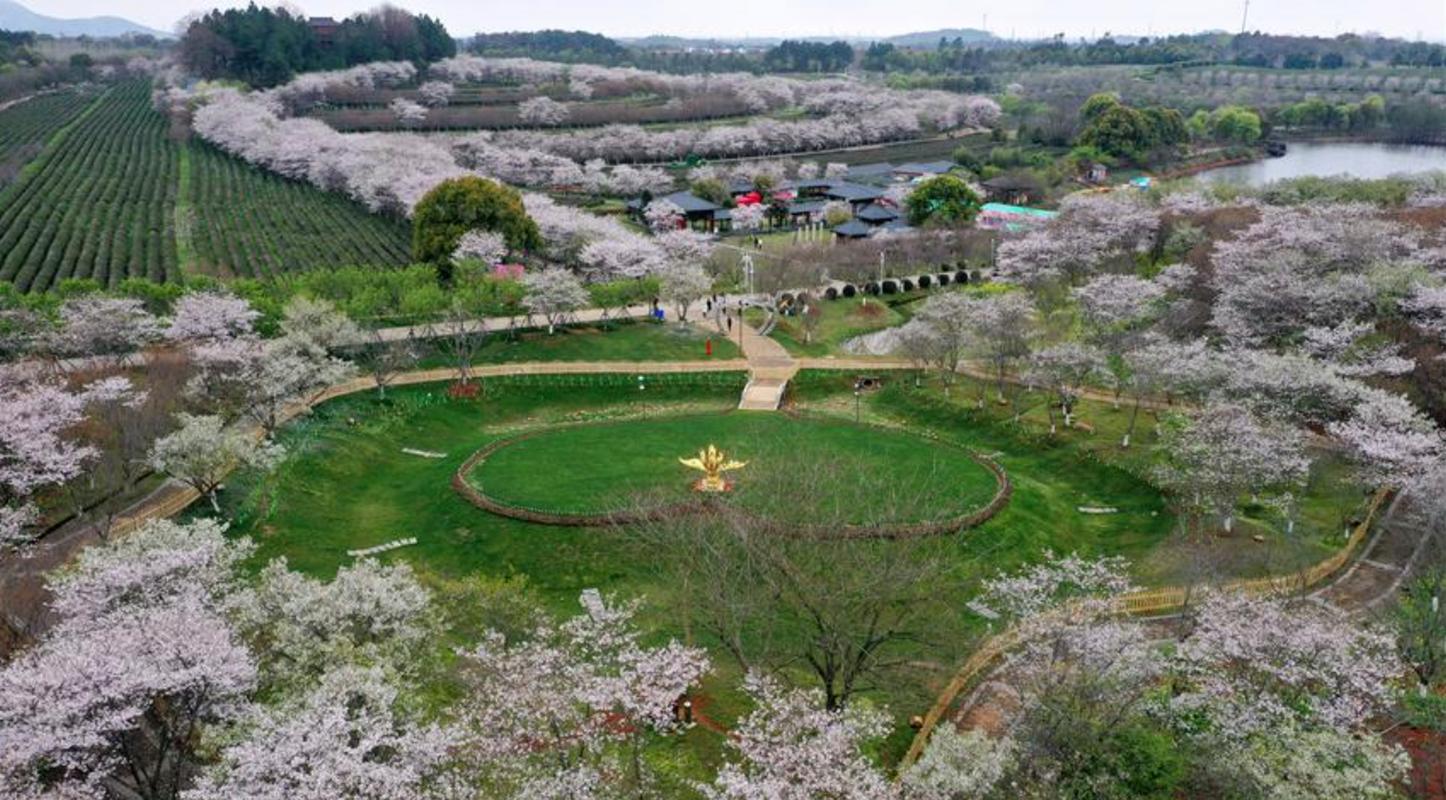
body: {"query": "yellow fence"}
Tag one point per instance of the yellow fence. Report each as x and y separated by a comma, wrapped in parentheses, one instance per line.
(1147, 601)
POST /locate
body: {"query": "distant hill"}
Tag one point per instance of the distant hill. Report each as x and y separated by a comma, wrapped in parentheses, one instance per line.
(15, 17)
(930, 39)
(922, 39)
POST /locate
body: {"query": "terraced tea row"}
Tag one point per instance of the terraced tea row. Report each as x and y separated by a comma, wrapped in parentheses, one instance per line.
(101, 199)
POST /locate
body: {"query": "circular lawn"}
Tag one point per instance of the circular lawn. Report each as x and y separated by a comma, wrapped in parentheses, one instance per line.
(798, 470)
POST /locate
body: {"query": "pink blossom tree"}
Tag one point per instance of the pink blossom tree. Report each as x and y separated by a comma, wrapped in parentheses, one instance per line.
(1212, 459)
(35, 450)
(554, 293)
(346, 738)
(110, 702)
(792, 748)
(564, 709)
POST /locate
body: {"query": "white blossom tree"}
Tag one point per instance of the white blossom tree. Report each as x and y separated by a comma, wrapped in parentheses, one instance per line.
(683, 284)
(663, 215)
(554, 293)
(792, 748)
(110, 701)
(410, 114)
(488, 247)
(1210, 460)
(542, 111)
(209, 317)
(112, 327)
(203, 450)
(1064, 371)
(346, 738)
(436, 94)
(560, 714)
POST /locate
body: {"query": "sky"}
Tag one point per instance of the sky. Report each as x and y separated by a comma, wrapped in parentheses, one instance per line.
(864, 18)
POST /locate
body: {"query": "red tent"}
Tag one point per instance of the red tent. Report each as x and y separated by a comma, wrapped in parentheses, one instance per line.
(750, 199)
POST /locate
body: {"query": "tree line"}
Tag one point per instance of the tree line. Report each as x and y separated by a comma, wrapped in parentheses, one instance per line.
(267, 47)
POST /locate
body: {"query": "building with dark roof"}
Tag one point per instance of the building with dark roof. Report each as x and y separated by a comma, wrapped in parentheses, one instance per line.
(920, 169)
(853, 229)
(695, 209)
(853, 193)
(1012, 188)
(864, 172)
(875, 214)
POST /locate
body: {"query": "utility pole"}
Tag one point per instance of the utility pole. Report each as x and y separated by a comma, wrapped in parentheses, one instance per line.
(1245, 18)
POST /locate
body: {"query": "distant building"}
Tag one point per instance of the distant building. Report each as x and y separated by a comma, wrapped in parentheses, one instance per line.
(922, 169)
(1013, 189)
(325, 28)
(1097, 173)
(697, 212)
(875, 214)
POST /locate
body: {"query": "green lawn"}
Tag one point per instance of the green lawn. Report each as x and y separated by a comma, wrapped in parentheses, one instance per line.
(624, 340)
(599, 468)
(348, 484)
(840, 320)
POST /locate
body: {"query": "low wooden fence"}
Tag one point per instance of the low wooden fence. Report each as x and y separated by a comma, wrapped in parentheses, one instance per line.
(1141, 603)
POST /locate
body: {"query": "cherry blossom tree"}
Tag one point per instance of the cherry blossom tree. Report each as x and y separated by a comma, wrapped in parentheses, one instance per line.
(35, 451)
(1427, 306)
(208, 317)
(265, 379)
(489, 247)
(410, 114)
(1089, 231)
(203, 450)
(959, 766)
(542, 111)
(750, 217)
(621, 257)
(317, 326)
(110, 702)
(94, 325)
(1394, 443)
(1003, 326)
(1222, 453)
(347, 738)
(683, 284)
(554, 293)
(370, 613)
(1279, 694)
(436, 94)
(792, 748)
(561, 712)
(1064, 370)
(663, 215)
(1299, 267)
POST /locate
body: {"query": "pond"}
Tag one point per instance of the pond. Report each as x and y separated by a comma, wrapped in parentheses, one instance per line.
(1368, 160)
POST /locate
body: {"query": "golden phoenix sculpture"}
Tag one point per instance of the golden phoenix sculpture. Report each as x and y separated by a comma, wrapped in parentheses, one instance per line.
(712, 462)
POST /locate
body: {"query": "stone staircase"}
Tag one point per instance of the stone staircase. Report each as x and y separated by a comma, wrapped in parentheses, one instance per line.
(762, 394)
(769, 369)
